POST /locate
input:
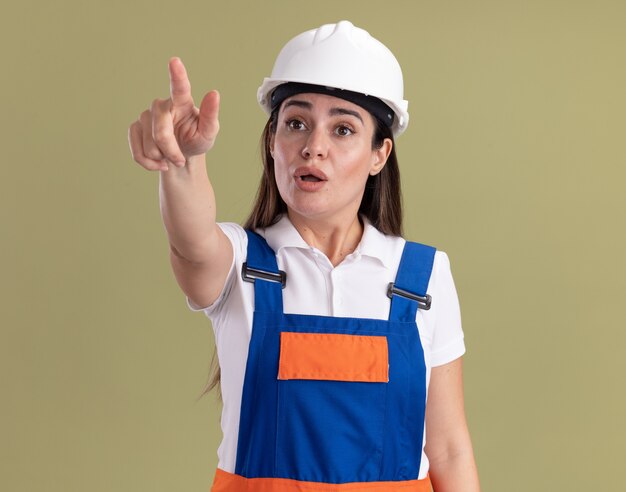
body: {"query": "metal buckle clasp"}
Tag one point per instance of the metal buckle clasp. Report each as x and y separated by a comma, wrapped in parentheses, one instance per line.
(423, 302)
(249, 274)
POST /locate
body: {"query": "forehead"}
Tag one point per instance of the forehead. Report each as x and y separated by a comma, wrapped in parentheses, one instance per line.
(324, 103)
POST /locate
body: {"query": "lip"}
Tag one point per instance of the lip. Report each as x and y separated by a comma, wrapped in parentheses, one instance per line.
(309, 185)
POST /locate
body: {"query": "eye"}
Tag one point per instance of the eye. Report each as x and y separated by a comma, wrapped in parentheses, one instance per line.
(295, 124)
(344, 131)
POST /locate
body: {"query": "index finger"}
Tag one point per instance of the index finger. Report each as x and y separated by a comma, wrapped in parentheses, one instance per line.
(180, 87)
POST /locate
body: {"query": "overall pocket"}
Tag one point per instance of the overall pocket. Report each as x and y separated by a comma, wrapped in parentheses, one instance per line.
(331, 406)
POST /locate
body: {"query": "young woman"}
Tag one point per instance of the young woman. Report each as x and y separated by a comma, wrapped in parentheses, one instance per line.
(339, 342)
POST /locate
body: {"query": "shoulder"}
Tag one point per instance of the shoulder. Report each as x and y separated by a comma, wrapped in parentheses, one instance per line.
(441, 262)
(235, 233)
(440, 273)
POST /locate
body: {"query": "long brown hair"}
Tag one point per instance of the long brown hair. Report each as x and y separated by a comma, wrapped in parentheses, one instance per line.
(381, 203)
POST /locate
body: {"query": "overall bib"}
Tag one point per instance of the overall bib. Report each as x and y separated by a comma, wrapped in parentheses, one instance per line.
(332, 404)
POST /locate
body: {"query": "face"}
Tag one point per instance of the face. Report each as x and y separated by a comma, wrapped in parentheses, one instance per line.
(323, 155)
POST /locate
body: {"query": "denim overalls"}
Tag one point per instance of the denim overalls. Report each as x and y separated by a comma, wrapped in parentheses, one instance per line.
(332, 404)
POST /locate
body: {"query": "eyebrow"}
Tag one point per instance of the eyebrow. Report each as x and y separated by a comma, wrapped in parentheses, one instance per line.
(299, 103)
(333, 112)
(336, 111)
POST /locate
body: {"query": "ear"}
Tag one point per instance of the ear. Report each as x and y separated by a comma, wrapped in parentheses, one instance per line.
(272, 135)
(380, 156)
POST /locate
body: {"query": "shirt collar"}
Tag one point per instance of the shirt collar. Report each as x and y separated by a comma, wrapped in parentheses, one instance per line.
(374, 243)
(377, 245)
(283, 234)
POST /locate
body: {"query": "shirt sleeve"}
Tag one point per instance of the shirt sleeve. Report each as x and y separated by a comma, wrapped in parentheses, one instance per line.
(239, 241)
(448, 339)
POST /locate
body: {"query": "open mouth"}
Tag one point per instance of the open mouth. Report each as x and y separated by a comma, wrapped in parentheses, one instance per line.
(309, 177)
(310, 174)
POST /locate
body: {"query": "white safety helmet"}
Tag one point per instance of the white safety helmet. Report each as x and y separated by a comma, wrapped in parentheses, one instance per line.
(341, 56)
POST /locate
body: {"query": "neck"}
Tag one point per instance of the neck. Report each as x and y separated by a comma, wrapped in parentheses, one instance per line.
(335, 238)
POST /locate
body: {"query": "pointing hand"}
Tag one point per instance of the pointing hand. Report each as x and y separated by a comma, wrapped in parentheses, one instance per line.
(173, 129)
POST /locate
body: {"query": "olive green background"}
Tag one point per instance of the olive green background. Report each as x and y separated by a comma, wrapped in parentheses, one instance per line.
(513, 163)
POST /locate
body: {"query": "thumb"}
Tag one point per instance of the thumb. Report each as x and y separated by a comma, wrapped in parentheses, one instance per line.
(208, 124)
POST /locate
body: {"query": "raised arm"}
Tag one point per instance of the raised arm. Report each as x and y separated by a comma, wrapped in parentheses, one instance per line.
(173, 137)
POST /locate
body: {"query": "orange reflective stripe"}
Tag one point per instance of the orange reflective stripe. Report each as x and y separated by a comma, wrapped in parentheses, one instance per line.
(332, 356)
(228, 482)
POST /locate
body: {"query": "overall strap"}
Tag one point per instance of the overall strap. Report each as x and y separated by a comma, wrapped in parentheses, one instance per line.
(261, 268)
(408, 292)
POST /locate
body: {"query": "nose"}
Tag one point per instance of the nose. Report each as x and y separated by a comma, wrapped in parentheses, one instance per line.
(316, 145)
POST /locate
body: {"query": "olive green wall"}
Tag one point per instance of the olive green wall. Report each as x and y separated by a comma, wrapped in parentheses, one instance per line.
(513, 164)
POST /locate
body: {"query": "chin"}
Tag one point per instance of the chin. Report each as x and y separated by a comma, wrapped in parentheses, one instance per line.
(309, 212)
(308, 208)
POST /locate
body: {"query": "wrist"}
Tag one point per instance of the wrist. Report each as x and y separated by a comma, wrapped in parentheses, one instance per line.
(196, 160)
(194, 168)
(191, 163)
